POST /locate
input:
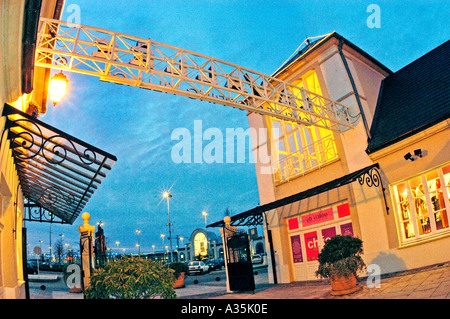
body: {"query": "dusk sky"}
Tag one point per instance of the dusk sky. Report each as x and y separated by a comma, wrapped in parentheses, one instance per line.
(136, 124)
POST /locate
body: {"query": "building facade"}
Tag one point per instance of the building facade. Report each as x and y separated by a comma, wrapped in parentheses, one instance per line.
(20, 85)
(309, 190)
(46, 174)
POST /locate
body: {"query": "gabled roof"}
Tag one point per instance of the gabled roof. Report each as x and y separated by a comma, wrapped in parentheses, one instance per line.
(412, 99)
(309, 45)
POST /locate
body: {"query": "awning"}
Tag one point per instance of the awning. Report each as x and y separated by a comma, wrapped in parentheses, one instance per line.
(252, 217)
(58, 173)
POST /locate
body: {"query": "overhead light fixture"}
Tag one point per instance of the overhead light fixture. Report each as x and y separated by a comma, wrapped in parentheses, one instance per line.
(58, 87)
(409, 157)
(418, 152)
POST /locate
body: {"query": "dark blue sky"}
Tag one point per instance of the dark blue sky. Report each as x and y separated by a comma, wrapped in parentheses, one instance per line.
(136, 124)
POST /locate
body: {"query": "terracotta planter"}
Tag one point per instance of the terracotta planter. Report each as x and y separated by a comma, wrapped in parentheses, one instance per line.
(344, 285)
(179, 282)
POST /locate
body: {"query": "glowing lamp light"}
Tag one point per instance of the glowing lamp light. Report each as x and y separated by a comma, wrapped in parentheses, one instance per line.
(58, 87)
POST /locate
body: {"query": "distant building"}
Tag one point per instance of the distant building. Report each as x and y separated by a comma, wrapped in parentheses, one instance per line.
(203, 245)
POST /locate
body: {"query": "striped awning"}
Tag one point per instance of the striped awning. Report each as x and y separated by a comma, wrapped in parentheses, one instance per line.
(368, 175)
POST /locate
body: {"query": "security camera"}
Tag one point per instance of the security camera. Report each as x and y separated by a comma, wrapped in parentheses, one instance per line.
(418, 152)
(409, 157)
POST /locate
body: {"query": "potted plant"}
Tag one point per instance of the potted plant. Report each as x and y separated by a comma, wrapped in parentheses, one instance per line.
(180, 270)
(340, 260)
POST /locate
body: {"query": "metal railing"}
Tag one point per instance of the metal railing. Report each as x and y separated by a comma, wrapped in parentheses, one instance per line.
(308, 158)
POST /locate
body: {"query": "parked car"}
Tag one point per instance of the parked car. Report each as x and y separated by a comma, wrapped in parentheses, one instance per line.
(214, 264)
(198, 267)
(257, 259)
(32, 267)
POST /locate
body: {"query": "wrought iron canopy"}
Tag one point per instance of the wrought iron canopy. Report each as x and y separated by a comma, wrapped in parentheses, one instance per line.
(368, 175)
(57, 172)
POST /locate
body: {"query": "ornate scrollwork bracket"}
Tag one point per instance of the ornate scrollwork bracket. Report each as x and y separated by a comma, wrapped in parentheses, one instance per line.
(372, 178)
(31, 142)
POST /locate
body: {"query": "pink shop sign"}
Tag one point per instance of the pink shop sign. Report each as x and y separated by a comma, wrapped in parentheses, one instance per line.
(317, 217)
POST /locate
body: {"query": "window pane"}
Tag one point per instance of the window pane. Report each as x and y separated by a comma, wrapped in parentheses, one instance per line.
(292, 143)
(446, 173)
(404, 211)
(437, 200)
(276, 130)
(280, 146)
(423, 225)
(290, 127)
(408, 230)
(401, 192)
(441, 219)
(416, 186)
(296, 249)
(312, 247)
(420, 205)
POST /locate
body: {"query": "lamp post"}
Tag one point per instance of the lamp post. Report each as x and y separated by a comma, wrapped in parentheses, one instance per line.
(168, 195)
(138, 232)
(205, 214)
(162, 236)
(117, 243)
(182, 239)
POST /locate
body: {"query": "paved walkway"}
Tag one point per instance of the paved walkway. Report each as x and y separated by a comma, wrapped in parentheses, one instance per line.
(427, 283)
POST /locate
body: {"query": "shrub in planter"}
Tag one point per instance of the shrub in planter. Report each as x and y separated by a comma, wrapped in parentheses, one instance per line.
(340, 260)
(131, 278)
(180, 269)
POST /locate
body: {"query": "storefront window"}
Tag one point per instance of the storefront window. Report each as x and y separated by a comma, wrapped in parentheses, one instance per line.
(422, 204)
(309, 231)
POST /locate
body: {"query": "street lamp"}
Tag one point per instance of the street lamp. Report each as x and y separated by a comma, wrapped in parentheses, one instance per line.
(162, 236)
(205, 214)
(117, 243)
(58, 87)
(138, 232)
(168, 195)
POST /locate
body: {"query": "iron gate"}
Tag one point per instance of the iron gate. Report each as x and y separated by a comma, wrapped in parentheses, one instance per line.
(239, 263)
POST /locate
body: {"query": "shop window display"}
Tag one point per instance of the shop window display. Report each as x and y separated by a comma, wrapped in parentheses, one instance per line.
(422, 204)
(309, 231)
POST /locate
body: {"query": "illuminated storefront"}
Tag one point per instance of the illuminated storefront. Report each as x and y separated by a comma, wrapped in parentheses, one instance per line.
(200, 246)
(386, 181)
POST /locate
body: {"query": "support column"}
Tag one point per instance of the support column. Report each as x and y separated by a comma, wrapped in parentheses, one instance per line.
(86, 248)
